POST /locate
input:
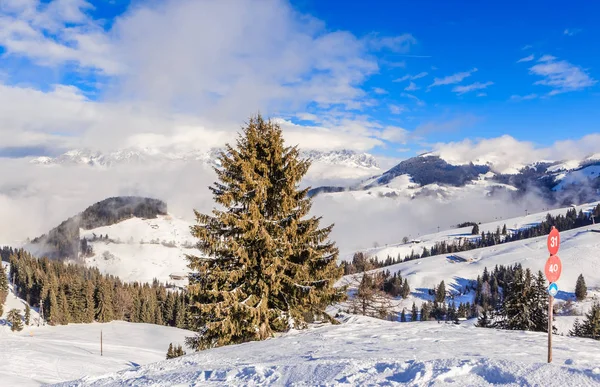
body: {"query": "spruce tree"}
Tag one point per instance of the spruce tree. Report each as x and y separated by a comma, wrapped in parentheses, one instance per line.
(170, 352)
(14, 318)
(3, 284)
(403, 315)
(475, 230)
(580, 288)
(484, 320)
(266, 267)
(440, 293)
(590, 327)
(27, 314)
(414, 312)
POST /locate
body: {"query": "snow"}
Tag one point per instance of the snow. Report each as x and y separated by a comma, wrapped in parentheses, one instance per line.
(146, 248)
(365, 351)
(581, 176)
(46, 354)
(455, 234)
(564, 166)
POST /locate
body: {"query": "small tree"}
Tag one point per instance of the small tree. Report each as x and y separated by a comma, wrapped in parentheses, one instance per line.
(440, 292)
(170, 353)
(580, 288)
(484, 320)
(414, 312)
(403, 315)
(475, 230)
(590, 327)
(27, 314)
(405, 240)
(14, 318)
(504, 231)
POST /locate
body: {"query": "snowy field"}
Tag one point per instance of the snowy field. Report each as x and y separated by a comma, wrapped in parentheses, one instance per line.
(364, 351)
(37, 356)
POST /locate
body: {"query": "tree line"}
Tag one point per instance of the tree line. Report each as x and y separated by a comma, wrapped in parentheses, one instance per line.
(69, 293)
(571, 220)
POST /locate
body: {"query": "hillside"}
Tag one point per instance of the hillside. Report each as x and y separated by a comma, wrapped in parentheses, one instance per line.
(64, 241)
(139, 249)
(365, 351)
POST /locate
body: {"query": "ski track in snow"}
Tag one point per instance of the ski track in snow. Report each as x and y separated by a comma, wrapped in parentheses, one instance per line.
(364, 351)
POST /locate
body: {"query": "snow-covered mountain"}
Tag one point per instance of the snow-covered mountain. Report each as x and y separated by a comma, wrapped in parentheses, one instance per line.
(148, 155)
(431, 175)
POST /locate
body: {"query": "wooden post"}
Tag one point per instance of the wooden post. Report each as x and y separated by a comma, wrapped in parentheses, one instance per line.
(100, 342)
(550, 302)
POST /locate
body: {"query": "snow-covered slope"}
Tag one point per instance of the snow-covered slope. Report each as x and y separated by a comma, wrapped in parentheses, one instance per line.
(142, 249)
(363, 351)
(456, 234)
(44, 354)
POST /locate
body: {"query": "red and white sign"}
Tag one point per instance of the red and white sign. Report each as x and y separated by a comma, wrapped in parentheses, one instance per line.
(553, 268)
(553, 241)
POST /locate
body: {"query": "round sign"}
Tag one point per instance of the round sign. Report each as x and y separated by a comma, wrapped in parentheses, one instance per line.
(553, 289)
(553, 268)
(553, 241)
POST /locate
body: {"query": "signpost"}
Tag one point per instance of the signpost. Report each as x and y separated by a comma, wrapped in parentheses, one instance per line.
(553, 269)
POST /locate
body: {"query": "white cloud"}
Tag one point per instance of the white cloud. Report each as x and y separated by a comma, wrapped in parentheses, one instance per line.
(411, 87)
(547, 58)
(397, 109)
(481, 94)
(473, 86)
(267, 58)
(523, 97)
(395, 134)
(452, 79)
(562, 76)
(571, 31)
(37, 30)
(379, 90)
(414, 98)
(506, 152)
(527, 59)
(411, 77)
(526, 47)
(398, 44)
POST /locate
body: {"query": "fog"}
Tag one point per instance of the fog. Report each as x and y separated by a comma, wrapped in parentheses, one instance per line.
(34, 199)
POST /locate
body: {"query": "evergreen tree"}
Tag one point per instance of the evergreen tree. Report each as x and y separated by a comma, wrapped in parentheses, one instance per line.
(414, 312)
(440, 293)
(576, 330)
(3, 284)
(425, 311)
(104, 308)
(590, 327)
(14, 318)
(27, 314)
(265, 267)
(580, 288)
(170, 352)
(504, 231)
(475, 230)
(484, 320)
(405, 289)
(403, 315)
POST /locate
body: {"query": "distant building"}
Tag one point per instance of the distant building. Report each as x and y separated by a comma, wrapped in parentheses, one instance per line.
(178, 276)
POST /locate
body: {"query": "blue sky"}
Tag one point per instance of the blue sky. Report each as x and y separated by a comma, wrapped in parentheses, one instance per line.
(391, 78)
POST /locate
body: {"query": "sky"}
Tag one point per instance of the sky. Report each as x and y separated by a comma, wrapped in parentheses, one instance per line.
(390, 78)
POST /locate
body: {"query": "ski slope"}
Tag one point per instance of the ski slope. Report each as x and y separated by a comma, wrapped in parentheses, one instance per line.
(364, 351)
(142, 249)
(418, 242)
